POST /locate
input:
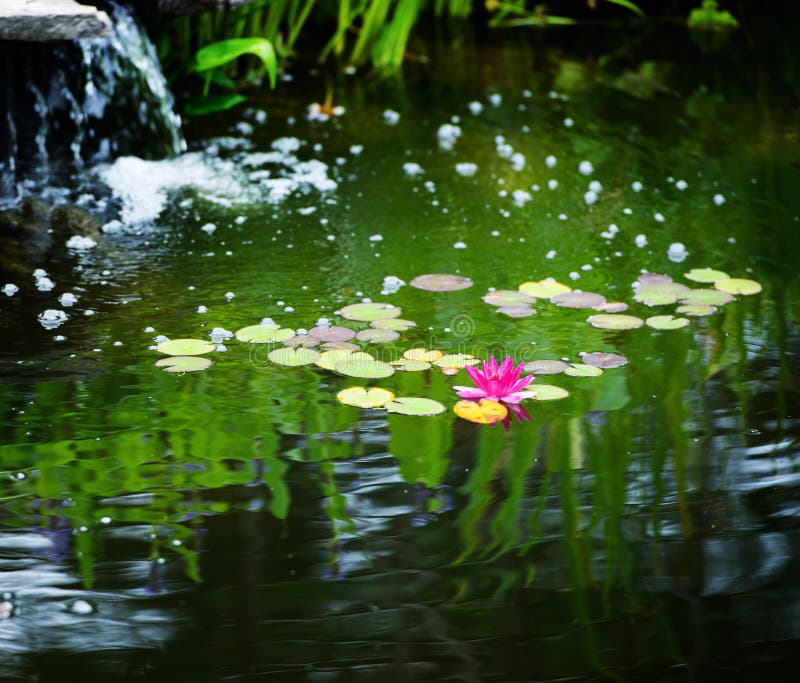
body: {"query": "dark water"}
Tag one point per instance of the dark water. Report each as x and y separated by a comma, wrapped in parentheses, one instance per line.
(240, 524)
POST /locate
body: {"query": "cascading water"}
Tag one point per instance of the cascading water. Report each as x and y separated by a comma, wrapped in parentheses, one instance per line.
(66, 104)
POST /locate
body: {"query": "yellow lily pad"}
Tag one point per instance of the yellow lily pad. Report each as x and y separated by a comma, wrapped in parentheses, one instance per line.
(544, 289)
(737, 285)
(484, 412)
(264, 334)
(422, 354)
(361, 397)
(185, 347)
(183, 363)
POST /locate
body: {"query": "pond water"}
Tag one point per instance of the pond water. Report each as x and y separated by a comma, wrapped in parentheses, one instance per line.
(240, 523)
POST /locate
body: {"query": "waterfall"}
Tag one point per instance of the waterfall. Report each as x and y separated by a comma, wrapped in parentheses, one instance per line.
(65, 105)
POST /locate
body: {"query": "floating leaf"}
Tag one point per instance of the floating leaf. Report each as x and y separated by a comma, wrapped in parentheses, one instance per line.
(508, 297)
(604, 360)
(653, 278)
(456, 360)
(544, 289)
(335, 333)
(377, 336)
(545, 367)
(365, 398)
(407, 405)
(423, 355)
(437, 282)
(578, 299)
(342, 345)
(293, 357)
(614, 321)
(547, 392)
(696, 310)
(370, 311)
(185, 347)
(666, 322)
(736, 285)
(659, 293)
(708, 297)
(183, 363)
(517, 311)
(353, 366)
(397, 324)
(705, 275)
(301, 341)
(328, 359)
(405, 365)
(481, 412)
(264, 334)
(582, 370)
(612, 307)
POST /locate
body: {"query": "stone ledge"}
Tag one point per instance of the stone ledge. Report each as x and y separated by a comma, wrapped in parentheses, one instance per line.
(44, 20)
(179, 7)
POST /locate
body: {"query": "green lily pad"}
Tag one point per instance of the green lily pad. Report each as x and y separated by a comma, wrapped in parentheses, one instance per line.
(697, 310)
(705, 275)
(342, 345)
(377, 336)
(183, 363)
(430, 356)
(293, 357)
(360, 397)
(406, 365)
(335, 333)
(604, 360)
(545, 367)
(264, 334)
(582, 370)
(185, 347)
(547, 392)
(438, 282)
(508, 297)
(707, 297)
(353, 366)
(329, 359)
(659, 293)
(666, 322)
(408, 405)
(737, 285)
(517, 311)
(614, 321)
(578, 299)
(370, 311)
(456, 360)
(544, 289)
(397, 324)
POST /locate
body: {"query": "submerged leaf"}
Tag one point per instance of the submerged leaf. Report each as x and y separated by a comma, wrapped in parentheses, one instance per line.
(438, 282)
(544, 289)
(360, 397)
(184, 363)
(408, 405)
(614, 321)
(370, 311)
(666, 322)
(185, 347)
(481, 412)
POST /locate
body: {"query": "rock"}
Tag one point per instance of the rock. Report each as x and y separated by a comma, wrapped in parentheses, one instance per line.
(69, 220)
(180, 7)
(43, 20)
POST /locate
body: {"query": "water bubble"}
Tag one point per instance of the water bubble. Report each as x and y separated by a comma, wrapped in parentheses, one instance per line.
(550, 161)
(81, 607)
(585, 168)
(719, 199)
(10, 289)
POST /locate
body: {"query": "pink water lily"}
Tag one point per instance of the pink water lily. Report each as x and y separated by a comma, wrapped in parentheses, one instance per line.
(500, 383)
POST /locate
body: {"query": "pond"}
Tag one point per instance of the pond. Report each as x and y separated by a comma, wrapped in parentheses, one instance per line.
(241, 523)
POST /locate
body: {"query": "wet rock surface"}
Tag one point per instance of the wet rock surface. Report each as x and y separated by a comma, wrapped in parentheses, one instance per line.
(37, 20)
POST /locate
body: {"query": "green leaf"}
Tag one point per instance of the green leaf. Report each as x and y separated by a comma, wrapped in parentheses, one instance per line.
(264, 334)
(201, 106)
(183, 363)
(361, 397)
(627, 4)
(407, 405)
(185, 347)
(293, 357)
(225, 51)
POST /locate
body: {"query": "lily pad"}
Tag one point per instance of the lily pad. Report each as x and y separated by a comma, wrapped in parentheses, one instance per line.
(456, 360)
(545, 367)
(397, 324)
(582, 370)
(405, 365)
(666, 322)
(659, 293)
(293, 357)
(517, 311)
(547, 392)
(439, 282)
(185, 347)
(370, 311)
(544, 289)
(508, 297)
(614, 321)
(653, 278)
(481, 412)
(183, 363)
(708, 297)
(342, 345)
(578, 299)
(697, 310)
(365, 398)
(377, 336)
(408, 405)
(352, 366)
(301, 341)
(423, 355)
(604, 360)
(264, 334)
(329, 359)
(737, 285)
(705, 275)
(335, 333)
(612, 307)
